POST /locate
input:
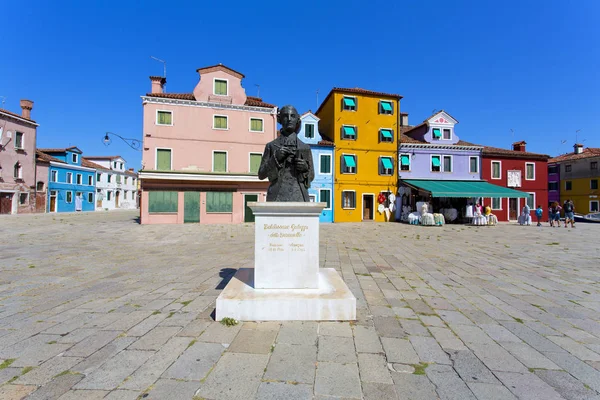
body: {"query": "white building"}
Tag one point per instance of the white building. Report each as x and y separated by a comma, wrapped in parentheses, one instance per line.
(116, 186)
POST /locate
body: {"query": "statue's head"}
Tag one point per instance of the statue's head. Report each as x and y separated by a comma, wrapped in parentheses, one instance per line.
(289, 119)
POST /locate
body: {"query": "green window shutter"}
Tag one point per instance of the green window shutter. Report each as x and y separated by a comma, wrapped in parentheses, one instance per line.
(221, 87)
(163, 160)
(435, 161)
(219, 161)
(349, 160)
(437, 133)
(387, 163)
(255, 160)
(386, 133)
(349, 131)
(309, 130)
(349, 102)
(164, 118)
(162, 202)
(220, 122)
(325, 197)
(386, 105)
(219, 202)
(474, 165)
(404, 159)
(325, 164)
(256, 125)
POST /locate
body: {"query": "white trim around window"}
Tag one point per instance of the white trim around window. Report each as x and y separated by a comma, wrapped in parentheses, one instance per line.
(444, 164)
(67, 192)
(477, 158)
(342, 199)
(492, 203)
(74, 158)
(533, 206)
(226, 119)
(597, 205)
(226, 160)
(249, 160)
(400, 162)
(343, 164)
(321, 199)
(527, 164)
(69, 177)
(90, 180)
(250, 124)
(167, 111)
(54, 176)
(431, 163)
(499, 169)
(330, 163)
(156, 159)
(220, 79)
(79, 179)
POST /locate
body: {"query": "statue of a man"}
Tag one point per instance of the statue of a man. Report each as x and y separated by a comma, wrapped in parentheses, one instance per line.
(287, 161)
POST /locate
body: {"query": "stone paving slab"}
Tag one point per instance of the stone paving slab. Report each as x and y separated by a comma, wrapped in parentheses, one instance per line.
(449, 323)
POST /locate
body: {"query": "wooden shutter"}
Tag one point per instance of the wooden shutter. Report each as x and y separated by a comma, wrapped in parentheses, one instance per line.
(219, 202)
(219, 161)
(255, 163)
(162, 202)
(163, 159)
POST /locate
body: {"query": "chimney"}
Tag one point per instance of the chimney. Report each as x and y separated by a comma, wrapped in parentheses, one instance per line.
(130, 169)
(404, 119)
(158, 83)
(578, 148)
(519, 146)
(26, 106)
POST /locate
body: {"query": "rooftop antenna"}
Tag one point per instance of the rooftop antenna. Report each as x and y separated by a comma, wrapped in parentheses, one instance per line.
(317, 98)
(164, 66)
(3, 100)
(512, 136)
(257, 90)
(576, 132)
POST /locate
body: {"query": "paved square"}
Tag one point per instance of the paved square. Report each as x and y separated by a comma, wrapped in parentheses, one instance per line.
(96, 306)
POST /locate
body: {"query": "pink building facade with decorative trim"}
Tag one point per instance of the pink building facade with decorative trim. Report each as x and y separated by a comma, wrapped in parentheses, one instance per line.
(201, 150)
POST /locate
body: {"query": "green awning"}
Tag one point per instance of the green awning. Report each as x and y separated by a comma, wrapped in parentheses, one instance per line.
(349, 130)
(435, 161)
(386, 105)
(349, 160)
(349, 102)
(404, 159)
(437, 133)
(387, 163)
(386, 133)
(464, 189)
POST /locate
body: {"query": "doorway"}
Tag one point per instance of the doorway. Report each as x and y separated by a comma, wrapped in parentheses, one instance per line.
(248, 214)
(513, 209)
(52, 201)
(117, 194)
(368, 201)
(191, 207)
(6, 203)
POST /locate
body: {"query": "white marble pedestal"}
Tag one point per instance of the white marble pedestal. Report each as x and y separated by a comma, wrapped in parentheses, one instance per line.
(286, 282)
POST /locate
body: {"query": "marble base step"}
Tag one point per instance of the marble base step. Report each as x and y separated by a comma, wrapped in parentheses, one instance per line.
(332, 301)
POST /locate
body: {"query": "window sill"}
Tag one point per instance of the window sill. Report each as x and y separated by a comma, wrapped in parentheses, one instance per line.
(157, 124)
(161, 212)
(220, 129)
(257, 131)
(219, 212)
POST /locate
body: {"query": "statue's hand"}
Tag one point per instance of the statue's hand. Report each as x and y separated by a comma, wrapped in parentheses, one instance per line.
(282, 153)
(301, 165)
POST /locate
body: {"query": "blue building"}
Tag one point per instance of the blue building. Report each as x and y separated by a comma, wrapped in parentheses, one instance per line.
(71, 181)
(321, 189)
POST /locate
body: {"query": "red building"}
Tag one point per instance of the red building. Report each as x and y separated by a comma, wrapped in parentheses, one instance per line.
(520, 170)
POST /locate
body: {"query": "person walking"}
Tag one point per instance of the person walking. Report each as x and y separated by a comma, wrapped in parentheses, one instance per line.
(538, 214)
(554, 212)
(569, 208)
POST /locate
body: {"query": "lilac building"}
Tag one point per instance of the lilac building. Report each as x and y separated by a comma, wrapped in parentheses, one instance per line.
(553, 182)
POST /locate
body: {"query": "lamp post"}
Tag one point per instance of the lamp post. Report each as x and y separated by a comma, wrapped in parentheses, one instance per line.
(133, 143)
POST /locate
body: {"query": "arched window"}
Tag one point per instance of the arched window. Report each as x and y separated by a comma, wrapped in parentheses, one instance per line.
(18, 171)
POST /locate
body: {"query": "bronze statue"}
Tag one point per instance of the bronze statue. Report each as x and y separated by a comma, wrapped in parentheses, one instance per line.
(287, 161)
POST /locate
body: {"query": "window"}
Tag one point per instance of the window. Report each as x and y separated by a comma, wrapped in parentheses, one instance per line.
(530, 171)
(312, 198)
(473, 165)
(496, 203)
(447, 163)
(125, 195)
(404, 162)
(437, 133)
(568, 168)
(594, 165)
(109, 178)
(79, 179)
(447, 134)
(118, 178)
(325, 197)
(568, 185)
(40, 187)
(220, 87)
(108, 195)
(54, 176)
(163, 160)
(594, 206)
(19, 142)
(553, 186)
(496, 171)
(220, 122)
(163, 118)
(125, 180)
(69, 196)
(386, 166)
(23, 198)
(386, 135)
(531, 200)
(436, 163)
(255, 159)
(98, 177)
(69, 177)
(348, 164)
(74, 158)
(18, 171)
(594, 184)
(90, 180)
(219, 202)
(348, 199)
(162, 202)
(349, 103)
(309, 131)
(115, 165)
(256, 125)
(90, 197)
(386, 107)
(553, 169)
(219, 161)
(349, 132)
(120, 165)
(325, 163)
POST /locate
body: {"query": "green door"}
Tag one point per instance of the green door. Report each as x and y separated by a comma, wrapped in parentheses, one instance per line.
(248, 214)
(191, 206)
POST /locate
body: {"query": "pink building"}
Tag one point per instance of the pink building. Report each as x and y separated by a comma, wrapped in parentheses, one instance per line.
(202, 150)
(17, 161)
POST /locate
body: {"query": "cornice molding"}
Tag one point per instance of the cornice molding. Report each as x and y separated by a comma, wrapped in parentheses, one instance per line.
(201, 104)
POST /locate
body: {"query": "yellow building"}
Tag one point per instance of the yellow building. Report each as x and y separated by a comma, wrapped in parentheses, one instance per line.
(364, 127)
(583, 192)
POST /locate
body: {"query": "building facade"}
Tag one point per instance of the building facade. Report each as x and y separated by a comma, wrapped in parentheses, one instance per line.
(520, 170)
(202, 150)
(116, 186)
(71, 184)
(553, 182)
(363, 125)
(18, 182)
(579, 178)
(321, 188)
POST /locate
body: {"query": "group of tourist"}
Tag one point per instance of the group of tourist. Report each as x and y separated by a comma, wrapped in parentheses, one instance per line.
(553, 214)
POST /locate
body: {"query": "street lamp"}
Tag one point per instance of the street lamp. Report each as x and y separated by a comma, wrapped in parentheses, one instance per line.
(133, 143)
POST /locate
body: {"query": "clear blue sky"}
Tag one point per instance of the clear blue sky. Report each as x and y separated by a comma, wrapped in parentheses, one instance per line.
(529, 66)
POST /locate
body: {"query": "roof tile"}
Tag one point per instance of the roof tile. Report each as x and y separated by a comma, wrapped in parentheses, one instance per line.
(586, 153)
